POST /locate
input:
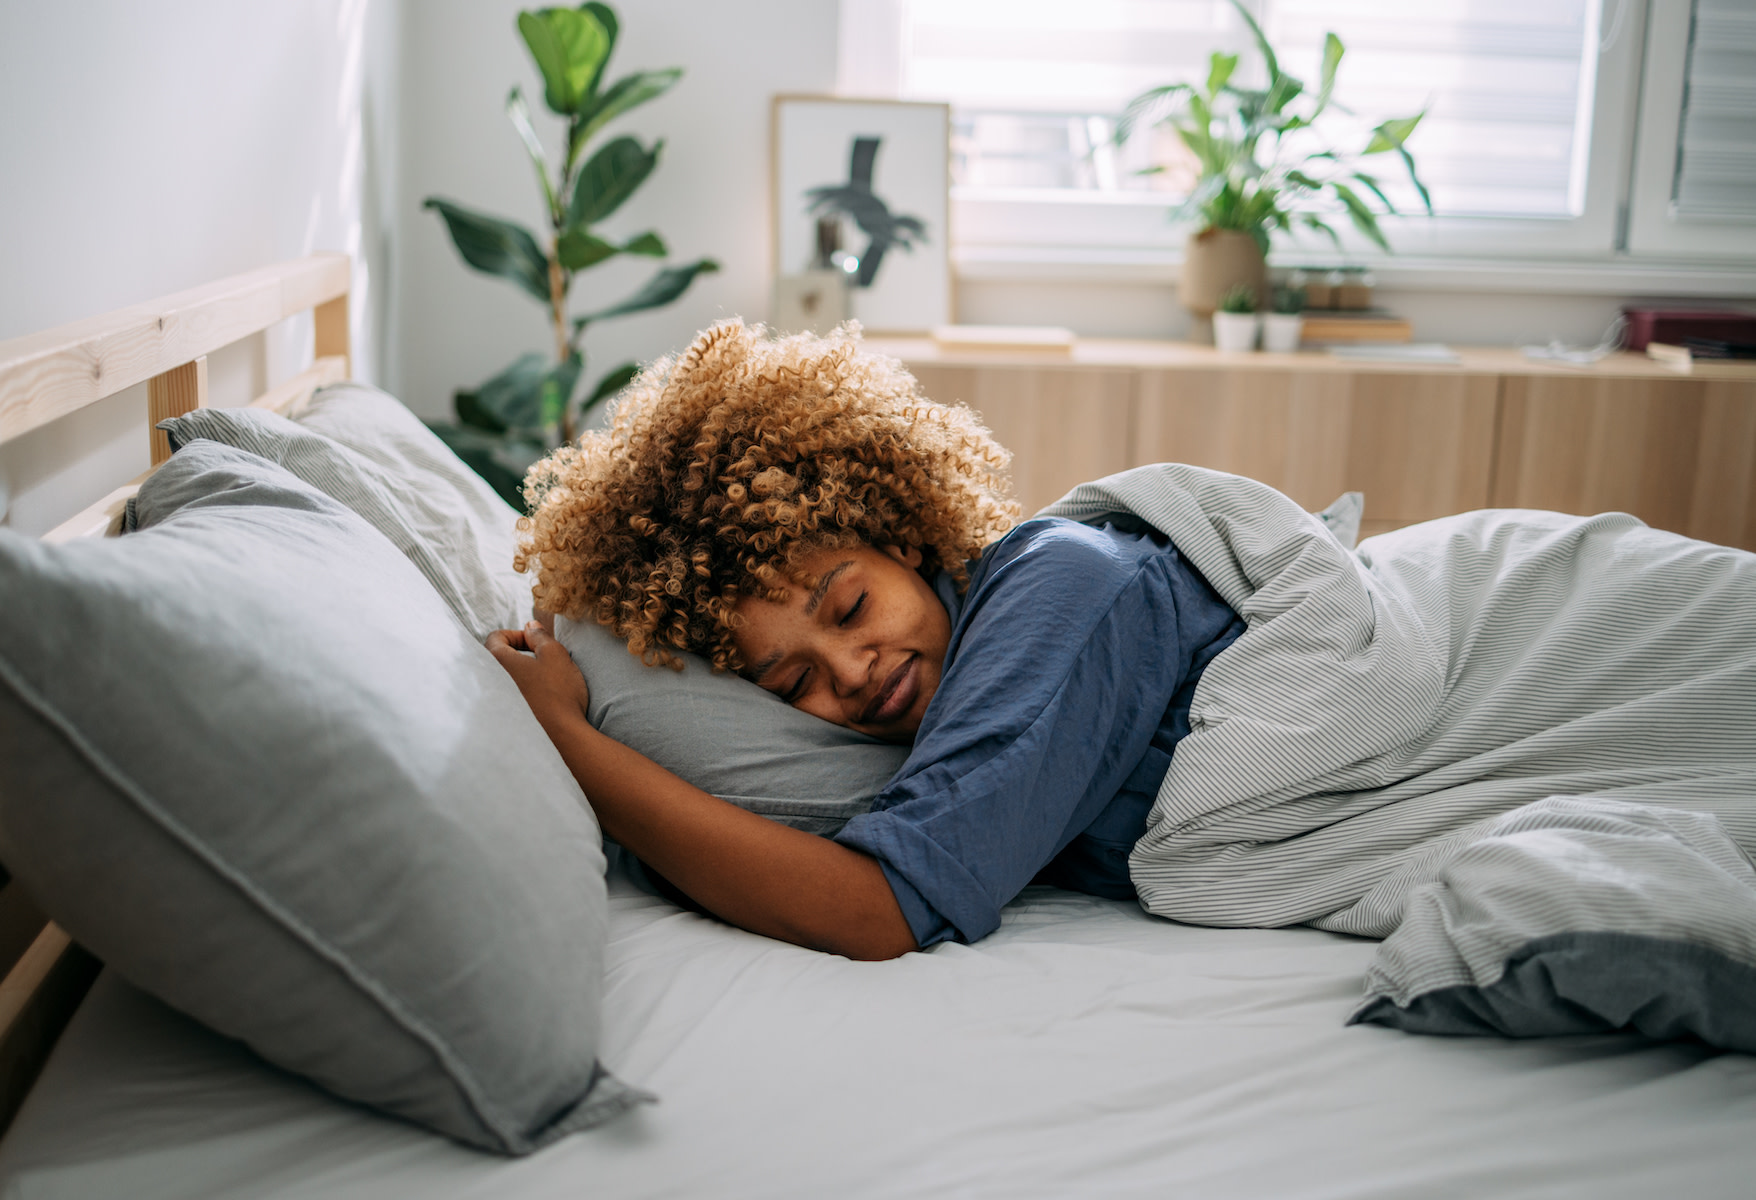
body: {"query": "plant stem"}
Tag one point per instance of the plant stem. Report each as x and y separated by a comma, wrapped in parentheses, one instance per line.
(558, 313)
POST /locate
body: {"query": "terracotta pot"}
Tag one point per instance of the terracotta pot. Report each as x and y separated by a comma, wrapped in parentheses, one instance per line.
(1214, 262)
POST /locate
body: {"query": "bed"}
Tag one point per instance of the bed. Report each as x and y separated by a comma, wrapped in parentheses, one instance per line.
(1087, 1048)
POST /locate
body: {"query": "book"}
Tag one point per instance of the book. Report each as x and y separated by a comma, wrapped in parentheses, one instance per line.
(1686, 362)
(1370, 325)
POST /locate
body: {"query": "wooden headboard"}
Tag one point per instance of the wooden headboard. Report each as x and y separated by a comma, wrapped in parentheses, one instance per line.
(46, 376)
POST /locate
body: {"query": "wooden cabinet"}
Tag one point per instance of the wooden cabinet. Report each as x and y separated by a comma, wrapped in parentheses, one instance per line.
(1063, 425)
(1420, 441)
(1678, 453)
(1315, 435)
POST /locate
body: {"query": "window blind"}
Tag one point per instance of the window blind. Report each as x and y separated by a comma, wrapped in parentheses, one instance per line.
(1035, 87)
(1716, 146)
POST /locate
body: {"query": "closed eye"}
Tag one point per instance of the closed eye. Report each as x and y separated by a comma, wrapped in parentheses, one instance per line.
(792, 694)
(858, 604)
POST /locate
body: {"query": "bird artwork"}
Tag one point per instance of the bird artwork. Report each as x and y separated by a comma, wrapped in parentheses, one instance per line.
(856, 200)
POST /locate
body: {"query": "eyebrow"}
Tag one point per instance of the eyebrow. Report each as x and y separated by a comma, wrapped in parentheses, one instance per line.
(822, 588)
(760, 671)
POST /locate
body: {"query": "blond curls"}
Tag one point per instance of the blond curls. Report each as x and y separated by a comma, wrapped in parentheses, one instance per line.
(726, 467)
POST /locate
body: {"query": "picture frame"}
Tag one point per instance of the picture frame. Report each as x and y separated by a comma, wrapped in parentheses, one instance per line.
(877, 173)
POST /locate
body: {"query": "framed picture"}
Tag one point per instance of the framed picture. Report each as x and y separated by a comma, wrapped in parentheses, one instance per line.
(861, 186)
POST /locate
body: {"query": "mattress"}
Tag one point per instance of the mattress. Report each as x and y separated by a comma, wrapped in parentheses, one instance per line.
(1085, 1049)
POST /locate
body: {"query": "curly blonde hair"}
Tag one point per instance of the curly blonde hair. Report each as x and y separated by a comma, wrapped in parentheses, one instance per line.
(726, 467)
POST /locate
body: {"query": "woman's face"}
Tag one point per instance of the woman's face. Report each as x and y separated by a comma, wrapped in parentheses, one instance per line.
(862, 649)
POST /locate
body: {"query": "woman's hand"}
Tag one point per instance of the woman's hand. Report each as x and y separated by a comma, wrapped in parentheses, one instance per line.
(547, 677)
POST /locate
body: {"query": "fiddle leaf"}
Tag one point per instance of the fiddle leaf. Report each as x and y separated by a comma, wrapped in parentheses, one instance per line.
(496, 247)
(608, 178)
(569, 46)
(661, 289)
(626, 93)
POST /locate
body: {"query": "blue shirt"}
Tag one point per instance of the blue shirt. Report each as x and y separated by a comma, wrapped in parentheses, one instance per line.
(1074, 654)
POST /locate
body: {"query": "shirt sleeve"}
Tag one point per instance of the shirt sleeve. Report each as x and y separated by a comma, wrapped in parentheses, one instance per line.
(1061, 666)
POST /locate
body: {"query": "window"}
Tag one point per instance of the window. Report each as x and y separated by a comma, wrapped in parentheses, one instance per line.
(1527, 146)
(1695, 182)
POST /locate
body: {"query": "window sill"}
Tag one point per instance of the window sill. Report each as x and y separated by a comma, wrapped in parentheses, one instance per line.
(1620, 276)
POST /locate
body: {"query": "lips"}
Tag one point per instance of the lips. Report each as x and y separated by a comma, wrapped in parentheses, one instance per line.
(896, 695)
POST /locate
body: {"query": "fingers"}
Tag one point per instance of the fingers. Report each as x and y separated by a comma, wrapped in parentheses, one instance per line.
(503, 642)
(539, 641)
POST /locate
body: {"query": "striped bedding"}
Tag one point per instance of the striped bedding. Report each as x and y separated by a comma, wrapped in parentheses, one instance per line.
(1520, 746)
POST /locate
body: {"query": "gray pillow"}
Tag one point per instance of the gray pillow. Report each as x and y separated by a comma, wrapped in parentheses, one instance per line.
(250, 760)
(729, 737)
(360, 446)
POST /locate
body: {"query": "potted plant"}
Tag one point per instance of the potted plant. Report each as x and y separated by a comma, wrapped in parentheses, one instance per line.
(1285, 324)
(508, 422)
(1235, 324)
(1264, 166)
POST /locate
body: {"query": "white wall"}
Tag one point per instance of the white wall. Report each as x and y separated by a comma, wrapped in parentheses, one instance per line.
(708, 197)
(146, 148)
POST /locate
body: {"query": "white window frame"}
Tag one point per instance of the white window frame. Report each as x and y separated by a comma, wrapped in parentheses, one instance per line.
(1044, 235)
(1654, 228)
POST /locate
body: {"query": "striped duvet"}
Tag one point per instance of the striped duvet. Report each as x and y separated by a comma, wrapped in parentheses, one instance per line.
(1510, 742)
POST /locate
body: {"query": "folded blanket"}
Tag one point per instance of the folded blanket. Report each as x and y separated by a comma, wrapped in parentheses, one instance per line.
(1387, 706)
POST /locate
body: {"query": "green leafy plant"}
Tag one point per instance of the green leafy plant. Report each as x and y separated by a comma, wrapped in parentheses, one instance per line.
(512, 419)
(1289, 301)
(1239, 300)
(1263, 164)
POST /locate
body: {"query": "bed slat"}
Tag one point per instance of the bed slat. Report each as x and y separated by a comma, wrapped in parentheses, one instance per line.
(37, 999)
(181, 389)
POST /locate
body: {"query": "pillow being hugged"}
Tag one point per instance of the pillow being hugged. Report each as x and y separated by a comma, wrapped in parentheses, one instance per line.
(250, 759)
(728, 737)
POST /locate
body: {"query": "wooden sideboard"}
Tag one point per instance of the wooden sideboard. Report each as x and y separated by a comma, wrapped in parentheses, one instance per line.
(1492, 430)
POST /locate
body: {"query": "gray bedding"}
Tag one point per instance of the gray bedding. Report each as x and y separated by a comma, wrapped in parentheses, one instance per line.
(1519, 746)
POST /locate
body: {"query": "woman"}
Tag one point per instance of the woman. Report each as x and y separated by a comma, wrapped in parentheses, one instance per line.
(794, 510)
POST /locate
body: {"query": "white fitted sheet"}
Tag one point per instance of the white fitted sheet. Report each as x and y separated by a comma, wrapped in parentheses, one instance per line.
(1086, 1049)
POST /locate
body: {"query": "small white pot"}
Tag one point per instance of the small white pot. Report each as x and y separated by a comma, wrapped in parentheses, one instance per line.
(1235, 331)
(1281, 332)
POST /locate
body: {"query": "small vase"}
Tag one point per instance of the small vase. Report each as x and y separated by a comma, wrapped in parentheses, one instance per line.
(1281, 332)
(1214, 262)
(1235, 331)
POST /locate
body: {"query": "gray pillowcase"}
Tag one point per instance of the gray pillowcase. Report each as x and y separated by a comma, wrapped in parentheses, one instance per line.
(251, 761)
(360, 446)
(728, 737)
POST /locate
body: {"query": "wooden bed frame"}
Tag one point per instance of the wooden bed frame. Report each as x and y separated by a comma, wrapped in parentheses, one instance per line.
(45, 376)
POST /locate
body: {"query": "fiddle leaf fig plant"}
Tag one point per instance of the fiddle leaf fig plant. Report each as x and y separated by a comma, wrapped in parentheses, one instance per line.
(509, 421)
(1263, 164)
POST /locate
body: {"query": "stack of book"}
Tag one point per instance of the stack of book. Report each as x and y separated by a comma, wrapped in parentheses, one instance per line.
(1343, 326)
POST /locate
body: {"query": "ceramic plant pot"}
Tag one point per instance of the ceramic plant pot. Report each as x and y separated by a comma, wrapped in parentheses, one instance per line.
(1235, 331)
(1281, 332)
(1214, 262)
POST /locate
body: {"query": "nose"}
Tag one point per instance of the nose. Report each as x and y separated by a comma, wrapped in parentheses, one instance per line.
(850, 666)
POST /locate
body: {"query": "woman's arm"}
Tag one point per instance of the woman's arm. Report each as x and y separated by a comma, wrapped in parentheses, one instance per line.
(746, 869)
